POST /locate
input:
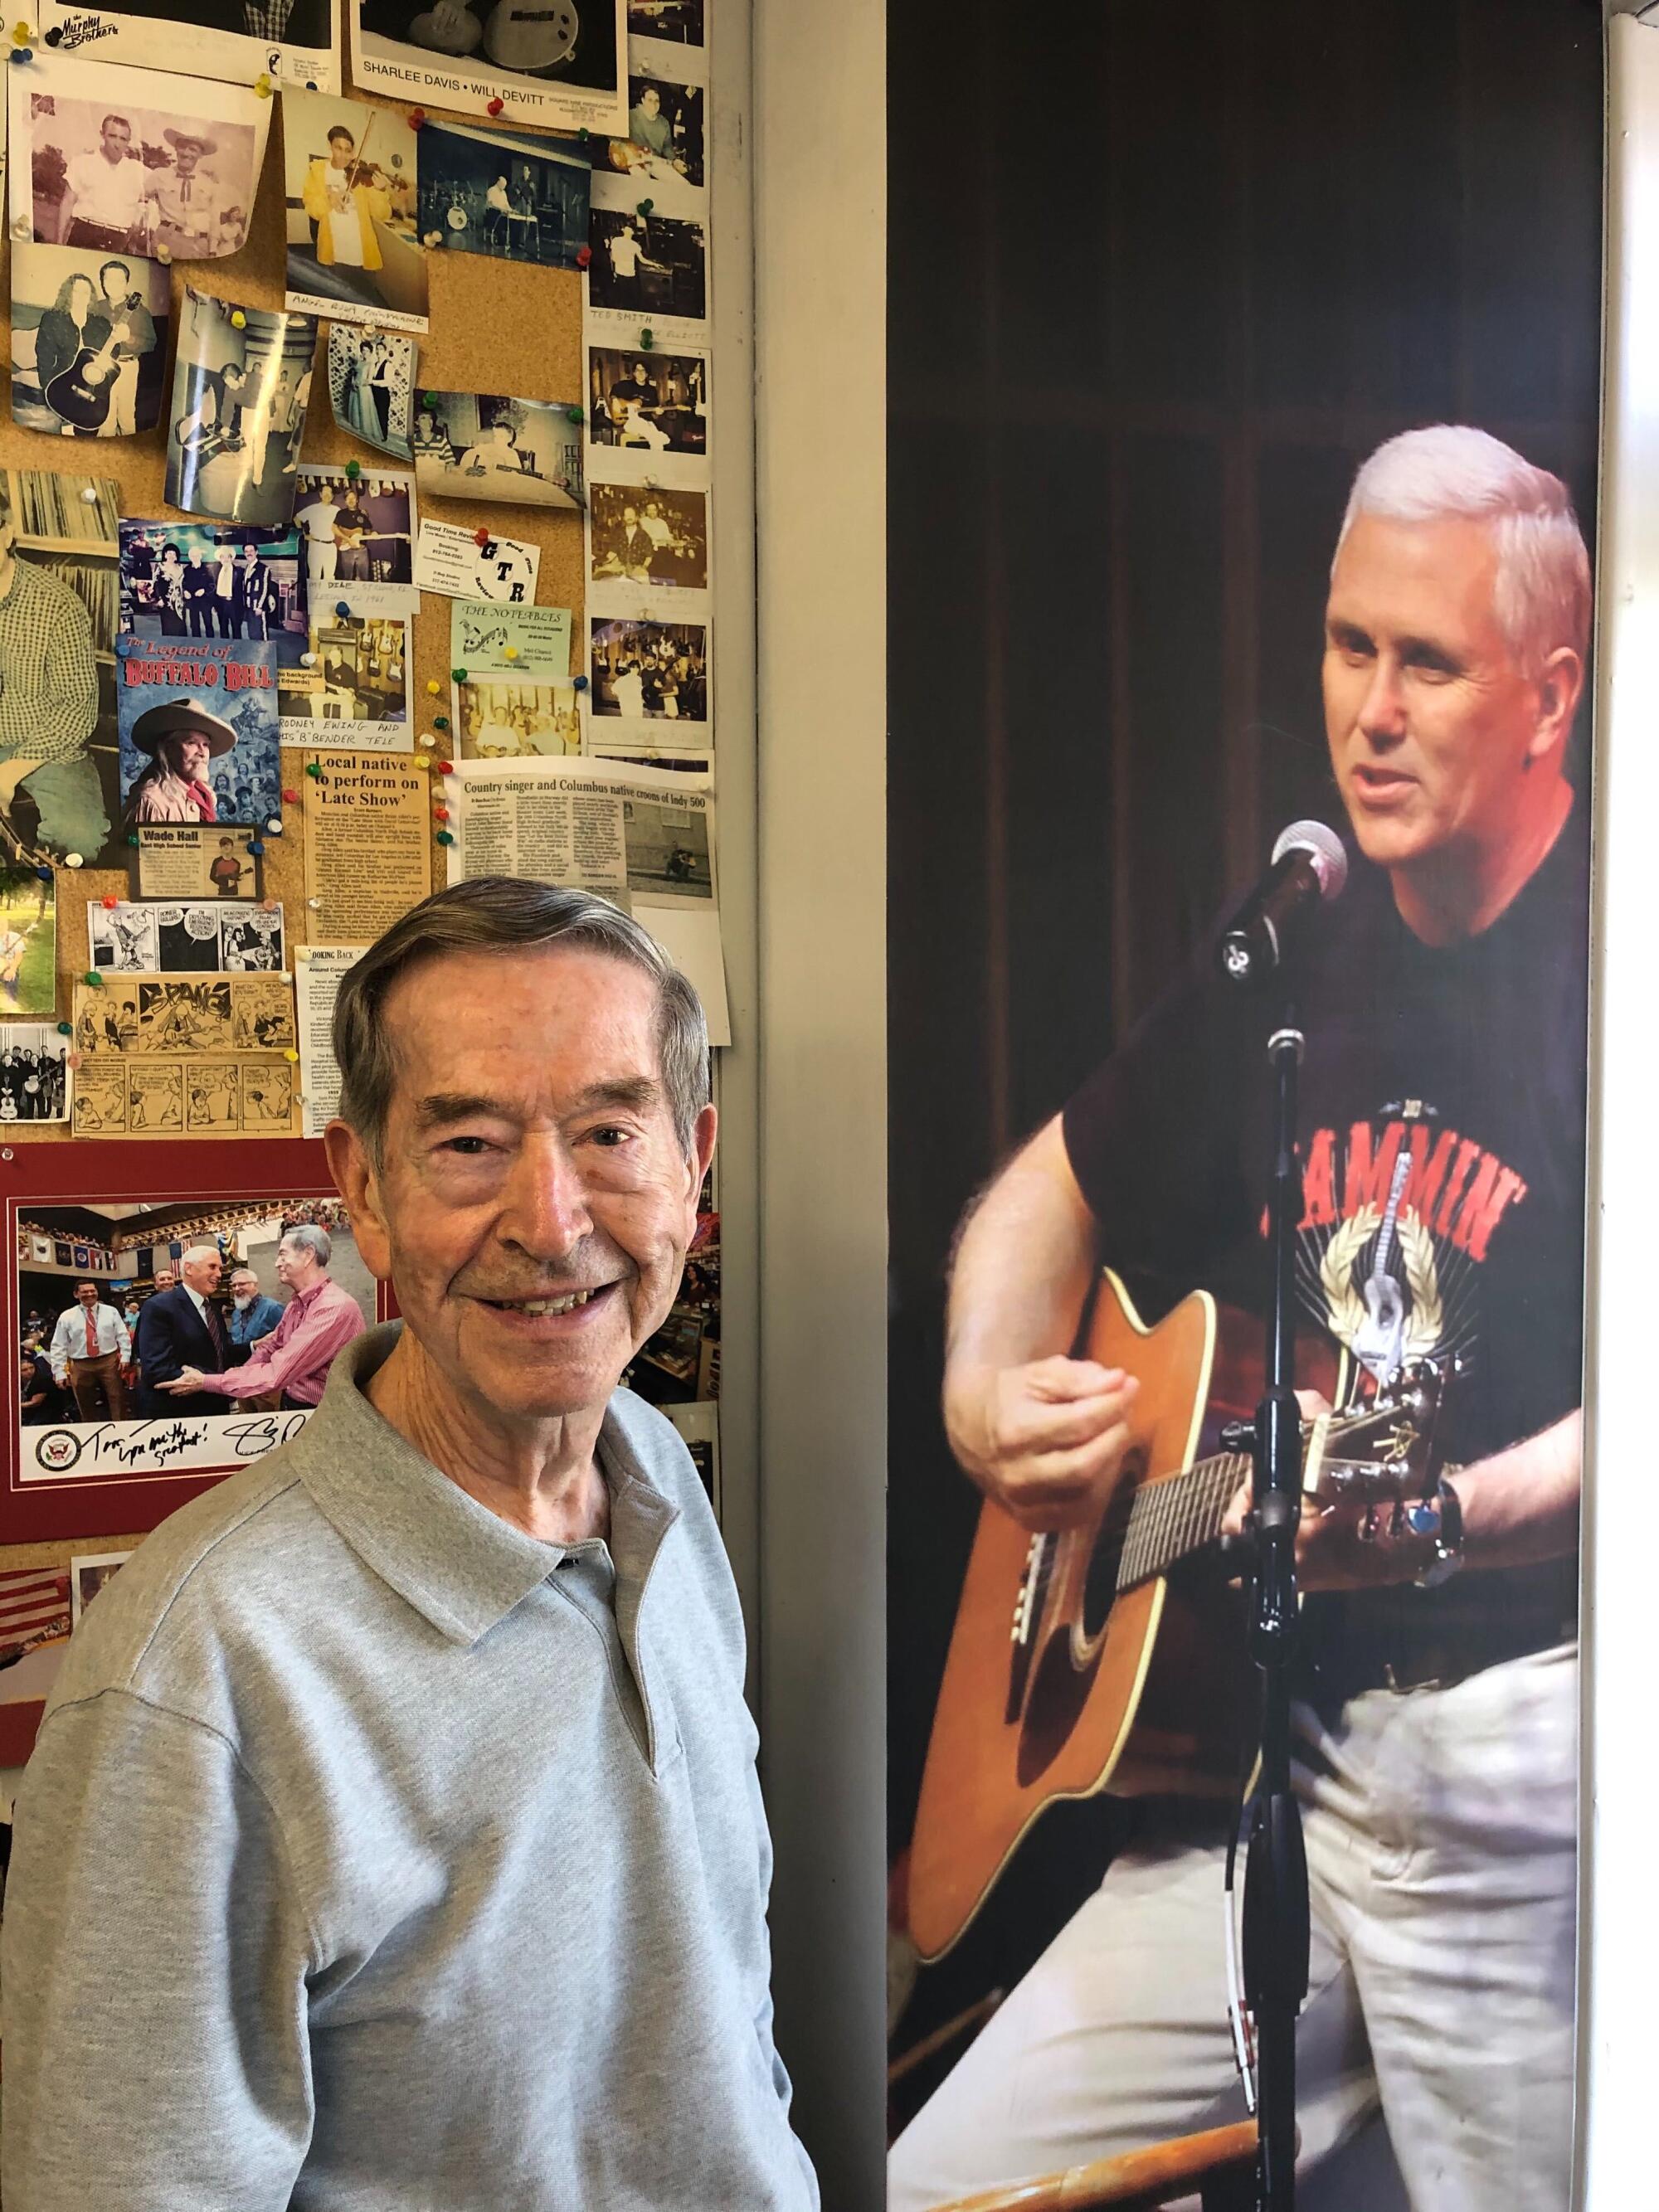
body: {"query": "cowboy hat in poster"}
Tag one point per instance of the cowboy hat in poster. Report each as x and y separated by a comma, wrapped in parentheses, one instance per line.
(199, 732)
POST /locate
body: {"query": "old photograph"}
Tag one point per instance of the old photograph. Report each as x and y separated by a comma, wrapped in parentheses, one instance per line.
(471, 445)
(34, 1074)
(488, 191)
(358, 530)
(127, 161)
(88, 341)
(168, 937)
(637, 536)
(196, 864)
(667, 849)
(28, 941)
(650, 671)
(371, 386)
(241, 382)
(354, 687)
(354, 251)
(647, 265)
(159, 1321)
(88, 1572)
(293, 41)
(657, 401)
(515, 718)
(677, 20)
(560, 66)
(205, 580)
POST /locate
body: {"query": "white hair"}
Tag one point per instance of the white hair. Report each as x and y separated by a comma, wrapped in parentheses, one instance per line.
(311, 1238)
(1542, 594)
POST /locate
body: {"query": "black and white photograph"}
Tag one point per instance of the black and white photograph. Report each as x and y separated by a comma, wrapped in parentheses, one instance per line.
(353, 688)
(477, 445)
(170, 1310)
(205, 937)
(667, 850)
(88, 341)
(128, 161)
(59, 790)
(34, 1072)
(656, 403)
(647, 265)
(357, 531)
(371, 386)
(295, 41)
(241, 382)
(518, 199)
(554, 63)
(666, 121)
(517, 718)
(214, 580)
(680, 21)
(651, 672)
(351, 176)
(641, 535)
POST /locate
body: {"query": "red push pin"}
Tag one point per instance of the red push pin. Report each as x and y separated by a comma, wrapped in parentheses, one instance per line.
(440, 814)
(417, 117)
(583, 255)
(107, 902)
(481, 538)
(495, 106)
(446, 768)
(291, 798)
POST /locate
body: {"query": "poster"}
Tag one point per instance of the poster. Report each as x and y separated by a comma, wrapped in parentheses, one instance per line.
(355, 689)
(132, 162)
(1310, 633)
(204, 580)
(203, 937)
(88, 341)
(515, 199)
(476, 446)
(196, 863)
(371, 386)
(318, 971)
(234, 39)
(353, 192)
(200, 733)
(561, 67)
(368, 844)
(241, 382)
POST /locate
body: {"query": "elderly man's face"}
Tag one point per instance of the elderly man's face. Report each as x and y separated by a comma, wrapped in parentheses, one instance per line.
(1428, 722)
(534, 1206)
(201, 1271)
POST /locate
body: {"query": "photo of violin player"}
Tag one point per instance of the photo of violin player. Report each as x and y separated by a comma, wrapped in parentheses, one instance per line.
(353, 197)
(88, 341)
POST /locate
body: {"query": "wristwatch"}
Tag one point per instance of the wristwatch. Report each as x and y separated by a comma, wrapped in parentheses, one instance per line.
(1441, 1519)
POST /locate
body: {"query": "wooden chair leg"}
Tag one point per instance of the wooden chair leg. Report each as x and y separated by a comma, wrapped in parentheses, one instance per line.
(1220, 2163)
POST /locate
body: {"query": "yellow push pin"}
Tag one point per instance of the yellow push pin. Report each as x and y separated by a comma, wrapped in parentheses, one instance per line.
(21, 34)
(261, 87)
(238, 320)
(434, 689)
(509, 653)
(290, 1054)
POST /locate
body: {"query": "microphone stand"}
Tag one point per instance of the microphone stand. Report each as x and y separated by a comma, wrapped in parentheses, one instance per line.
(1276, 1923)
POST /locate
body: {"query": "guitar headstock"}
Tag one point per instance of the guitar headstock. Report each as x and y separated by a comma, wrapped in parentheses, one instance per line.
(1384, 1451)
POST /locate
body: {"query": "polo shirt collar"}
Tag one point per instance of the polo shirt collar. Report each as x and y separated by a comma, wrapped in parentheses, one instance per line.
(461, 1566)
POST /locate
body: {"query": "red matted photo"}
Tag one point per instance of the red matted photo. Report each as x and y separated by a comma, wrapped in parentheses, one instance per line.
(91, 1447)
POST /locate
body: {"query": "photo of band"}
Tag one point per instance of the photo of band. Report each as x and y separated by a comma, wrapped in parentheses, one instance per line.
(213, 580)
(88, 341)
(651, 671)
(642, 536)
(488, 191)
(241, 382)
(657, 401)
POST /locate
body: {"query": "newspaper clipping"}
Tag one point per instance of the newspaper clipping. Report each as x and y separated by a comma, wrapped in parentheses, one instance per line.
(368, 844)
(318, 971)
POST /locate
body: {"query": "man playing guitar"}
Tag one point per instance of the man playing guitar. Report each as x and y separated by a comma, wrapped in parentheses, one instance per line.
(1444, 1004)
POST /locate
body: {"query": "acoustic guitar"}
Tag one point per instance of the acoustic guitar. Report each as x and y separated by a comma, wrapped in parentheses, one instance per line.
(81, 394)
(1111, 1655)
(525, 36)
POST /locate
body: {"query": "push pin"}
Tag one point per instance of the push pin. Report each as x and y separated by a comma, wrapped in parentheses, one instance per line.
(583, 135)
(23, 53)
(90, 495)
(74, 860)
(440, 722)
(164, 254)
(92, 979)
(353, 468)
(273, 827)
(495, 107)
(583, 255)
(290, 798)
(268, 905)
(646, 341)
(261, 87)
(440, 814)
(428, 398)
(417, 117)
(446, 768)
(45, 874)
(54, 37)
(313, 903)
(124, 646)
(238, 320)
(645, 207)
(255, 847)
(342, 607)
(21, 34)
(66, 1029)
(23, 228)
(434, 689)
(509, 653)
(108, 900)
(314, 769)
(579, 683)
(481, 537)
(427, 741)
(574, 415)
(445, 837)
(289, 1053)
(311, 84)
(457, 675)
(307, 660)
(133, 836)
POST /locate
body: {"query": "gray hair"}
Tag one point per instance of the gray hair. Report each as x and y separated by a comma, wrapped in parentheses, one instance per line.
(310, 1238)
(1542, 596)
(499, 914)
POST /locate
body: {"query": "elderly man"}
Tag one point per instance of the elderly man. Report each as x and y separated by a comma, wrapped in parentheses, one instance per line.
(1443, 1003)
(397, 1821)
(182, 1327)
(253, 1314)
(89, 1348)
(321, 1319)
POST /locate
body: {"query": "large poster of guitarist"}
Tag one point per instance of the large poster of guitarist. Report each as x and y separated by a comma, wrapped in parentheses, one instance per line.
(1092, 1351)
(88, 341)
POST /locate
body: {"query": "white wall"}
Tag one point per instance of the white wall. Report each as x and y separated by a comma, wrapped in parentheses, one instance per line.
(819, 123)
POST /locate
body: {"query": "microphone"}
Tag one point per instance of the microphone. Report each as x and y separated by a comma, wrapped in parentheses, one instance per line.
(1308, 865)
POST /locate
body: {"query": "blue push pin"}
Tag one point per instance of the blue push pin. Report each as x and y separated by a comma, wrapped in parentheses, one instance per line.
(341, 607)
(124, 646)
(579, 683)
(44, 873)
(255, 847)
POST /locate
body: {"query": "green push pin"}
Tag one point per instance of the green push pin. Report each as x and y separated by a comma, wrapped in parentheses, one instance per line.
(574, 415)
(446, 837)
(457, 675)
(440, 722)
(133, 836)
(66, 1029)
(94, 979)
(314, 767)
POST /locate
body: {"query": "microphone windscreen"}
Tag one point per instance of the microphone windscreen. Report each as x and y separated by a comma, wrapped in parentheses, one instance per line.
(1323, 847)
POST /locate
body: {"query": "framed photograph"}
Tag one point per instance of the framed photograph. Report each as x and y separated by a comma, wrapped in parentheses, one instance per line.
(241, 383)
(354, 253)
(560, 65)
(295, 41)
(128, 160)
(119, 1451)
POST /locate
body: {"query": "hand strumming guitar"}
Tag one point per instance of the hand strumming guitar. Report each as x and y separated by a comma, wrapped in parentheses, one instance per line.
(1047, 1440)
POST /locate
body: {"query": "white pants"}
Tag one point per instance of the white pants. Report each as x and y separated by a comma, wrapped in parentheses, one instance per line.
(1441, 1837)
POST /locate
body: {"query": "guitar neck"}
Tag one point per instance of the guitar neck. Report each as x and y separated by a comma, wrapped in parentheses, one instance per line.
(1172, 1519)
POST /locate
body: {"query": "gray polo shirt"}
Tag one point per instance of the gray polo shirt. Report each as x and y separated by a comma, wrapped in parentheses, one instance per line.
(375, 1857)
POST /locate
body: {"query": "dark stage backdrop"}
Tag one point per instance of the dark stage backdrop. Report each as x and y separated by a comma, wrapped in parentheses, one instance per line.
(1160, 278)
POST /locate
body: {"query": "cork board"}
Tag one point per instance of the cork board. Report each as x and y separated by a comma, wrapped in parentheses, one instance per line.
(495, 326)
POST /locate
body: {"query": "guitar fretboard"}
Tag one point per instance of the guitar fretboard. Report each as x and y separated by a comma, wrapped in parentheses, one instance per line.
(1171, 1519)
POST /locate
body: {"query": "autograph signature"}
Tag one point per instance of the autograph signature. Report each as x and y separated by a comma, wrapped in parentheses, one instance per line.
(156, 1445)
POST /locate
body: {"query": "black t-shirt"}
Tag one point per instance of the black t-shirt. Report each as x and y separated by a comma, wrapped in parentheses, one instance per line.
(1474, 1055)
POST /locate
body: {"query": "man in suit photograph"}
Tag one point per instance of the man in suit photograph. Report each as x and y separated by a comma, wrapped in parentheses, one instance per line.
(180, 1328)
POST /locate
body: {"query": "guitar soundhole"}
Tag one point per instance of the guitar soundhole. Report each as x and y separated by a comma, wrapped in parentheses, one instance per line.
(1100, 1585)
